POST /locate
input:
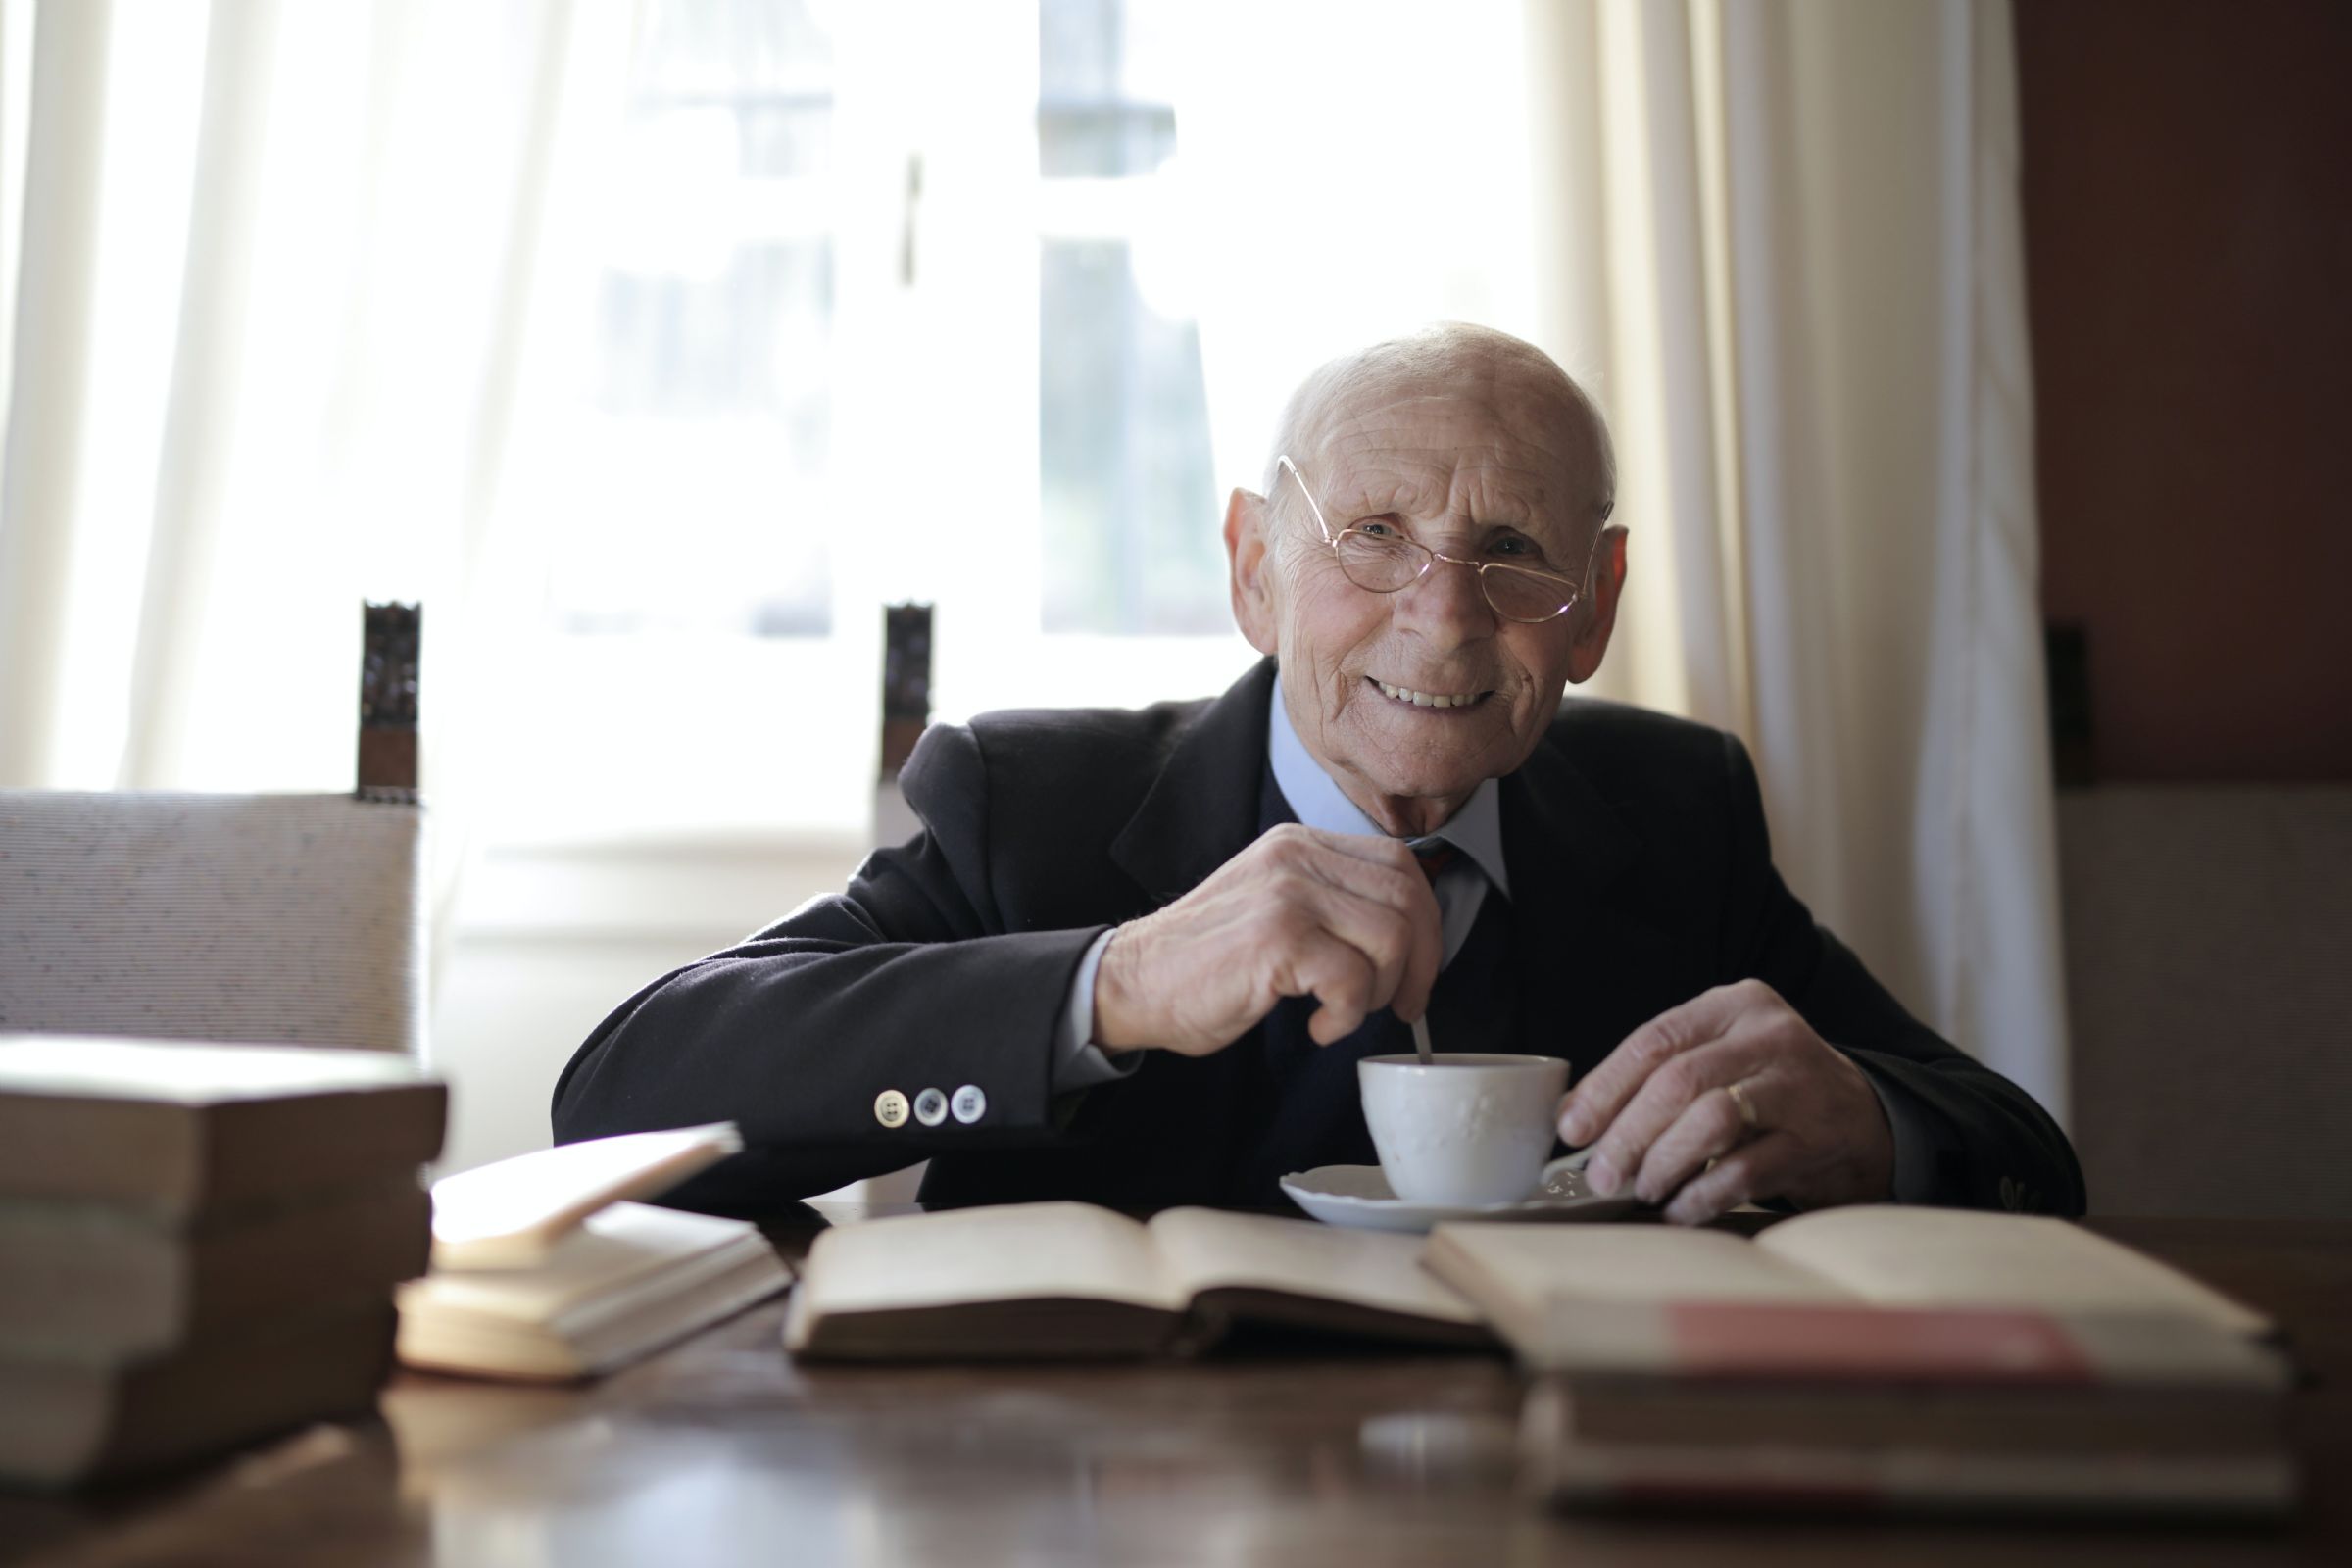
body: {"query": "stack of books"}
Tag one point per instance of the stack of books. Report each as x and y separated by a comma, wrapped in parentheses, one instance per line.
(543, 1269)
(1880, 1360)
(198, 1243)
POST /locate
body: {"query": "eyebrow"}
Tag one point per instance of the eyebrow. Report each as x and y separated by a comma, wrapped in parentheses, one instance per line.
(1405, 499)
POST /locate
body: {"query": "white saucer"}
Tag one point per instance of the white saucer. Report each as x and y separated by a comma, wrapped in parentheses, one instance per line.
(1359, 1196)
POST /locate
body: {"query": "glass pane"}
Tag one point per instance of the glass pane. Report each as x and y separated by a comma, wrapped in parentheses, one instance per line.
(744, 341)
(1130, 519)
(1093, 121)
(712, 427)
(696, 500)
(726, 49)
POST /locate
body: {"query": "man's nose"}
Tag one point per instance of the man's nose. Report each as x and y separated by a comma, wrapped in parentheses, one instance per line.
(1449, 596)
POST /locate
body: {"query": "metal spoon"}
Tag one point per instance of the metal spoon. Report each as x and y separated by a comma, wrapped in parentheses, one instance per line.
(1421, 1038)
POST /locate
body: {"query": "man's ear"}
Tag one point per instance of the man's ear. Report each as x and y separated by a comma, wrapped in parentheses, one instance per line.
(1251, 573)
(1596, 616)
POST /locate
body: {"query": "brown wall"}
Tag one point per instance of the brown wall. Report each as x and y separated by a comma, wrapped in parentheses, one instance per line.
(2188, 262)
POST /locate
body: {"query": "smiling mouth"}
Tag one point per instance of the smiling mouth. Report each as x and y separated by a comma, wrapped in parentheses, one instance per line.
(1405, 696)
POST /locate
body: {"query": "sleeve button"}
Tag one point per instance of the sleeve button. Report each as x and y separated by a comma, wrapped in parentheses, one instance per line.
(890, 1108)
(930, 1107)
(969, 1104)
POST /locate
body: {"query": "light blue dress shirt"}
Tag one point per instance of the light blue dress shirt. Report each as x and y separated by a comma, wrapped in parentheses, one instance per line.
(1476, 830)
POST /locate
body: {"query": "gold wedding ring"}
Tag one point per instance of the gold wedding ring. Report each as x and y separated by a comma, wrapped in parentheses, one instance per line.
(1746, 1107)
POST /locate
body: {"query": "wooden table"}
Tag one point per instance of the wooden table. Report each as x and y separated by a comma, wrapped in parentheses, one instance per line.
(722, 1450)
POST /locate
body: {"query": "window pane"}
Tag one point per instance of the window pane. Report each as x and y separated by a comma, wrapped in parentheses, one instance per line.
(722, 49)
(1131, 542)
(1130, 522)
(1092, 121)
(707, 423)
(742, 342)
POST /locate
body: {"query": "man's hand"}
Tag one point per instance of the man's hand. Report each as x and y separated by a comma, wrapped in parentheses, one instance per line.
(1349, 920)
(1661, 1107)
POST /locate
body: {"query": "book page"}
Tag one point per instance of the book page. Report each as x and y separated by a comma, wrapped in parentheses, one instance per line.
(1900, 1257)
(1006, 1253)
(1516, 1272)
(1206, 1248)
(614, 1249)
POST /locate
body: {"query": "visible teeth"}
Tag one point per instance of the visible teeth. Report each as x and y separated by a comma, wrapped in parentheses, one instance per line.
(1405, 694)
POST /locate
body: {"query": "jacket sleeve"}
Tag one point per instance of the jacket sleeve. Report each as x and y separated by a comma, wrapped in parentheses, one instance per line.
(906, 981)
(1965, 1135)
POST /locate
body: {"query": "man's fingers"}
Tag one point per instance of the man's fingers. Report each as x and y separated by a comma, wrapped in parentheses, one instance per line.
(1411, 928)
(1340, 976)
(1760, 1167)
(1382, 873)
(1664, 1096)
(1595, 1102)
(1394, 854)
(1708, 1126)
(1382, 934)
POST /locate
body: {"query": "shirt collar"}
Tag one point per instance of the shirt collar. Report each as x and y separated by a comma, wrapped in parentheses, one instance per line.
(1476, 830)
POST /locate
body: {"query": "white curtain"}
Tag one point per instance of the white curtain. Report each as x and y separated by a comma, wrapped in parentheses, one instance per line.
(1779, 242)
(270, 270)
(1799, 253)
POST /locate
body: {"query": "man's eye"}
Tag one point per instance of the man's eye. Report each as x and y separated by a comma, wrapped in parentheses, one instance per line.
(1376, 530)
(1514, 545)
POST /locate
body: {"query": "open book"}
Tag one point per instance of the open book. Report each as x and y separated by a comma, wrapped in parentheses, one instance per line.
(1070, 1280)
(1861, 1294)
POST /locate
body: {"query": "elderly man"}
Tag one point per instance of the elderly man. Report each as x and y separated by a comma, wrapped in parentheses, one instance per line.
(1135, 957)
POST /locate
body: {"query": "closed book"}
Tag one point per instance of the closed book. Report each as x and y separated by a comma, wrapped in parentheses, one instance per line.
(1735, 1472)
(64, 1422)
(178, 1129)
(1072, 1281)
(2000, 1418)
(104, 1284)
(627, 1280)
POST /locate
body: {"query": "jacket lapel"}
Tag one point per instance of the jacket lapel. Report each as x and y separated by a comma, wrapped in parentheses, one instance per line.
(1203, 807)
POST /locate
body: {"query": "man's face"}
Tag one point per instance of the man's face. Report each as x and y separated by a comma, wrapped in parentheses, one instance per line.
(1480, 467)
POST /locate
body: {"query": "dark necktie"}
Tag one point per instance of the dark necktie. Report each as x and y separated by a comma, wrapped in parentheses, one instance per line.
(1435, 856)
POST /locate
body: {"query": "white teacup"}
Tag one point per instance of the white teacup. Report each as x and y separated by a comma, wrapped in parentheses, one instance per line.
(1464, 1128)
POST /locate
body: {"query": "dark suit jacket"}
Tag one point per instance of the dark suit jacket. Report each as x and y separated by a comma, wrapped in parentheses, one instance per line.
(1640, 876)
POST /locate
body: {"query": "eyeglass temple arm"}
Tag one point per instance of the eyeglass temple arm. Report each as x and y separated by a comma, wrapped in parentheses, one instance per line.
(1283, 461)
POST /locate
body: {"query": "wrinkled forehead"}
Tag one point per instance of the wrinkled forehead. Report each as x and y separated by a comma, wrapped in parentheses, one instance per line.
(1491, 447)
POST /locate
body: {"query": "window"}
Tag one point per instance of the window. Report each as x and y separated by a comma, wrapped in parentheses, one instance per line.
(865, 320)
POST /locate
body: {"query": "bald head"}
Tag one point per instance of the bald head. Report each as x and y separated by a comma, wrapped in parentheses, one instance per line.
(1454, 358)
